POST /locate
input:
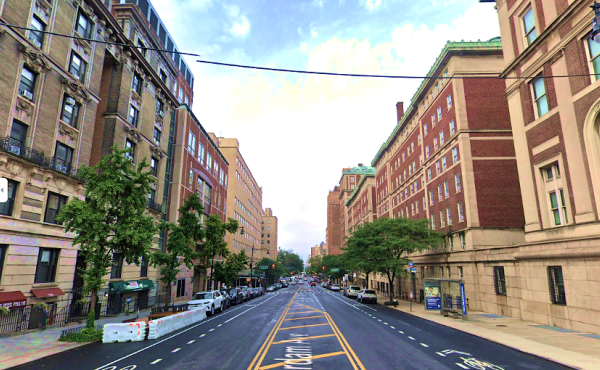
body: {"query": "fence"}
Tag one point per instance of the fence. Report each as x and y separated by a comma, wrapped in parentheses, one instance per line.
(173, 308)
(68, 333)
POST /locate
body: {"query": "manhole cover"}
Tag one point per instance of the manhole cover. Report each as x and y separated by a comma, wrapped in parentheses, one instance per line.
(503, 326)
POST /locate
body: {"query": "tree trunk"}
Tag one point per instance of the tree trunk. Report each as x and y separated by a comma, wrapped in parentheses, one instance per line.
(391, 280)
(168, 295)
(94, 300)
(367, 279)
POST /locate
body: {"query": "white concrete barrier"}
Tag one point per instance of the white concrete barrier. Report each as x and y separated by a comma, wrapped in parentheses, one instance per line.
(169, 324)
(134, 332)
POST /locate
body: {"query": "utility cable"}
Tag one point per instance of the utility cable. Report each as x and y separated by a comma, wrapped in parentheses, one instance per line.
(299, 71)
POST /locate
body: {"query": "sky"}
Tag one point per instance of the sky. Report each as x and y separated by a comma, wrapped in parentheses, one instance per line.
(297, 132)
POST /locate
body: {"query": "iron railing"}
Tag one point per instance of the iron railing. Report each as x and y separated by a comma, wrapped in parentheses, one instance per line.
(155, 206)
(66, 334)
(172, 308)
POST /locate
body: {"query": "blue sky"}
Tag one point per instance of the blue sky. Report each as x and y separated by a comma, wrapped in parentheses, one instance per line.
(297, 132)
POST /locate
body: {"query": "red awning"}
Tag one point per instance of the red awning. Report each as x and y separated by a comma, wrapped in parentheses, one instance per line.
(13, 299)
(46, 293)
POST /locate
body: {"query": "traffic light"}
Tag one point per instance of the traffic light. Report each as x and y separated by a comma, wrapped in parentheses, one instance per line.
(323, 268)
(273, 265)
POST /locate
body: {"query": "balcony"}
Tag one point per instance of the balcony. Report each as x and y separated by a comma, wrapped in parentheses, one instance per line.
(13, 147)
(154, 206)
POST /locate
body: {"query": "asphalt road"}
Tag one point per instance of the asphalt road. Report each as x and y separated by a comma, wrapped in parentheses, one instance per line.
(302, 328)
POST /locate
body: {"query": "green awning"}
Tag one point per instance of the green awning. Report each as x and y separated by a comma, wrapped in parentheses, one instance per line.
(130, 286)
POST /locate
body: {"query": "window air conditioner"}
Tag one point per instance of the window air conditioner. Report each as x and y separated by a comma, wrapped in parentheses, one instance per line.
(36, 43)
(26, 94)
(70, 101)
(61, 167)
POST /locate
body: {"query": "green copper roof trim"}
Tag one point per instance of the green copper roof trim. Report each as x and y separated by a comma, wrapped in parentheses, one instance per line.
(358, 170)
(362, 179)
(492, 44)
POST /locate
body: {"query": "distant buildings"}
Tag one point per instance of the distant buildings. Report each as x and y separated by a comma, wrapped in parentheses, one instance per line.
(269, 233)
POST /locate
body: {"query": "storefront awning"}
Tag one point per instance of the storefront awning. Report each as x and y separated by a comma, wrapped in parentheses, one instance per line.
(12, 300)
(130, 286)
(47, 293)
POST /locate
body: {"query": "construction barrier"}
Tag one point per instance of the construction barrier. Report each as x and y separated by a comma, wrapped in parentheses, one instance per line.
(134, 332)
(168, 324)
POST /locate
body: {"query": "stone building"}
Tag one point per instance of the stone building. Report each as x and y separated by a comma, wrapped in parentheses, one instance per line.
(269, 225)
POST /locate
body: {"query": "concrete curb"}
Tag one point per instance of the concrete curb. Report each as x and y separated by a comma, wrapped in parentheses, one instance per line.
(508, 340)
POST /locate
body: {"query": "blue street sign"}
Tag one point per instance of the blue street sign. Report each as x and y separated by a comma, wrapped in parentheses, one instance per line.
(411, 264)
(464, 300)
(412, 269)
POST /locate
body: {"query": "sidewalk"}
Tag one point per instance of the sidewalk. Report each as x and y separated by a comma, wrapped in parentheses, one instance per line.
(34, 345)
(571, 348)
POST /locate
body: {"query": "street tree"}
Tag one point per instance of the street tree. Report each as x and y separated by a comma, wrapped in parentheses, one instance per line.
(214, 241)
(111, 222)
(228, 271)
(357, 257)
(390, 242)
(181, 242)
(291, 261)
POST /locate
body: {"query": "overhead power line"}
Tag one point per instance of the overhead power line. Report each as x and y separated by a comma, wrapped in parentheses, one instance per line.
(359, 75)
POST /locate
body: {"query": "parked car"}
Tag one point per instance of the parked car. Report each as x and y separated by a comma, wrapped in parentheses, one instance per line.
(251, 293)
(284, 284)
(353, 292)
(245, 295)
(270, 288)
(236, 296)
(367, 295)
(256, 292)
(213, 300)
(226, 298)
(261, 290)
(335, 288)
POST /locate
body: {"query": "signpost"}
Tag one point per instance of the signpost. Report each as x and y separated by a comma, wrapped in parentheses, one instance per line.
(463, 300)
(334, 270)
(263, 267)
(410, 265)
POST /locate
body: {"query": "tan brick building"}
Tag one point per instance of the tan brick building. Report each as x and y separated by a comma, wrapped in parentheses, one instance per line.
(333, 232)
(553, 278)
(348, 181)
(268, 229)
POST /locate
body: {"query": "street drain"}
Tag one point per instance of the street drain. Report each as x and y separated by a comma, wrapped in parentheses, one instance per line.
(503, 326)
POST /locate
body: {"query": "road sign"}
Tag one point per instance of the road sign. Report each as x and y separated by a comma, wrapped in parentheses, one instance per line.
(411, 264)
(335, 270)
(263, 267)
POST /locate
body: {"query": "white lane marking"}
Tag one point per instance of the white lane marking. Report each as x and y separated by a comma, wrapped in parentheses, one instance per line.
(379, 320)
(175, 350)
(219, 325)
(156, 361)
(201, 335)
(211, 329)
(392, 327)
(172, 336)
(424, 345)
(441, 354)
(461, 365)
(400, 331)
(191, 341)
(385, 323)
(411, 338)
(322, 308)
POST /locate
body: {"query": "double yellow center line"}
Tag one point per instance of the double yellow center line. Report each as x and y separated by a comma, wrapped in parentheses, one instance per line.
(264, 349)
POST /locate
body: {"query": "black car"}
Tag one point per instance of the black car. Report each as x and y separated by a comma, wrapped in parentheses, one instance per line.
(236, 296)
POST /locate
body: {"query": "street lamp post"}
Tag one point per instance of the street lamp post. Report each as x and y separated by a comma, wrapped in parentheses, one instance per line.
(251, 260)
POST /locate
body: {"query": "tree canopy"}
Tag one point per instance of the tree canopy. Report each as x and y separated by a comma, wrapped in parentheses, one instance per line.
(292, 263)
(227, 271)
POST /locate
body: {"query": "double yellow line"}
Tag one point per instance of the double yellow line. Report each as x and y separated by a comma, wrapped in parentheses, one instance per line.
(352, 357)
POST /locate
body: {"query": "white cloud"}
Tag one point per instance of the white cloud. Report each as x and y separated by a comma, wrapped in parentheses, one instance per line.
(310, 127)
(371, 4)
(300, 31)
(241, 27)
(317, 3)
(313, 32)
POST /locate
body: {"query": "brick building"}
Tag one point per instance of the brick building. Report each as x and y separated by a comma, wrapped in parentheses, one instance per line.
(348, 181)
(552, 278)
(452, 160)
(333, 233)
(269, 226)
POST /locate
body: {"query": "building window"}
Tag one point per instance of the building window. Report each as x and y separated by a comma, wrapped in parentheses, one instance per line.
(151, 195)
(208, 161)
(180, 288)
(133, 116)
(446, 189)
(63, 158)
(529, 26)
(153, 166)
(54, 205)
(454, 155)
(18, 134)
(77, 67)
(435, 143)
(130, 154)
(452, 129)
(201, 153)
(27, 83)
(6, 208)
(136, 84)
(460, 272)
(442, 137)
(83, 26)
(425, 129)
(192, 143)
(36, 37)
(432, 120)
(70, 111)
(433, 221)
(45, 271)
(444, 163)
(499, 280)
(554, 188)
(437, 167)
(156, 136)
(3, 249)
(427, 151)
(449, 101)
(461, 213)
(457, 182)
(556, 285)
(442, 219)
(440, 197)
(539, 96)
(449, 216)
(160, 107)
(430, 197)
(163, 76)
(191, 181)
(451, 244)
(117, 266)
(144, 268)
(439, 113)
(463, 240)
(207, 192)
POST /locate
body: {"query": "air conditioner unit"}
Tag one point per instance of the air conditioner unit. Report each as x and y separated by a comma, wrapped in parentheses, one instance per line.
(36, 43)
(70, 101)
(15, 149)
(26, 94)
(61, 167)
